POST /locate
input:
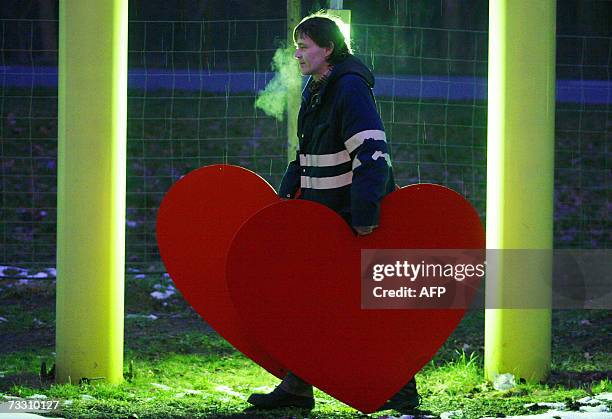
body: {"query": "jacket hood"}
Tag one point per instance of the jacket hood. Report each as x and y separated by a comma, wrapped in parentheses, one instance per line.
(352, 65)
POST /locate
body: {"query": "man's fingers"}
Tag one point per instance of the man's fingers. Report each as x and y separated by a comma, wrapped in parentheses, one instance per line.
(364, 230)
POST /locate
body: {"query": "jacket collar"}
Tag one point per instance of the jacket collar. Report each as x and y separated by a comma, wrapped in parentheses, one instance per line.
(350, 65)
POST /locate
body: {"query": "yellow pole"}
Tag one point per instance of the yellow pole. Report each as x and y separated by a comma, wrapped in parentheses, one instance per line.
(520, 152)
(91, 189)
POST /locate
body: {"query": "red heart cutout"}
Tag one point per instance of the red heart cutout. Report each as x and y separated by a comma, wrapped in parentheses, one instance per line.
(196, 222)
(293, 272)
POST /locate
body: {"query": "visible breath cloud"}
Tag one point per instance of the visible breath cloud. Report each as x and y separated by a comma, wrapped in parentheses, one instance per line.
(287, 80)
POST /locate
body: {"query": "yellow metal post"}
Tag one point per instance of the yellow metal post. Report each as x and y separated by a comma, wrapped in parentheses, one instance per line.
(91, 189)
(520, 152)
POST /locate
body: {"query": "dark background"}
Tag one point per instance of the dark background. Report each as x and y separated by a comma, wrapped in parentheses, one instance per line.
(173, 131)
(26, 42)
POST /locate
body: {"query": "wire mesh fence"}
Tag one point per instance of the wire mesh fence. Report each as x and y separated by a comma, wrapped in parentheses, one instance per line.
(193, 83)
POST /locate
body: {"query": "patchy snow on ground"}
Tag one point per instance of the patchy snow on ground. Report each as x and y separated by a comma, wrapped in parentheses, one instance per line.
(161, 386)
(558, 414)
(227, 390)
(503, 382)
(591, 408)
(141, 316)
(159, 295)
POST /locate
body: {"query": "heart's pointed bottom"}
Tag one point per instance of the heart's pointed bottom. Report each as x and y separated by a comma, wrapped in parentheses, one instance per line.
(293, 273)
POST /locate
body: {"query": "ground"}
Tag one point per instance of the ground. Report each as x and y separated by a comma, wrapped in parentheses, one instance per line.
(177, 366)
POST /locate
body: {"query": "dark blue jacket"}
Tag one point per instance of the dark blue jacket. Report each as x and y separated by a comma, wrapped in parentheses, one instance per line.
(342, 161)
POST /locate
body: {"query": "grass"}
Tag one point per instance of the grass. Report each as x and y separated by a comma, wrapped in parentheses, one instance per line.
(178, 367)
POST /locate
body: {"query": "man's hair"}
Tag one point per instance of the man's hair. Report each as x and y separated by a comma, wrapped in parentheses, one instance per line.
(324, 30)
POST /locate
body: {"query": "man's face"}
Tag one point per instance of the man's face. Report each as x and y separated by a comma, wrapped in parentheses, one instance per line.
(312, 58)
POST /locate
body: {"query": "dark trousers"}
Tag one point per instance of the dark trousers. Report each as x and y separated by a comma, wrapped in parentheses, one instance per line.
(295, 385)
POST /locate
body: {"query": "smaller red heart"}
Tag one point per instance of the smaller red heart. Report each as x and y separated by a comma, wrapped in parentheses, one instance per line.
(196, 222)
(293, 273)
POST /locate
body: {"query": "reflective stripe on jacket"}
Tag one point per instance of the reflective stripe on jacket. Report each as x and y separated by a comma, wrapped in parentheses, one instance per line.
(343, 160)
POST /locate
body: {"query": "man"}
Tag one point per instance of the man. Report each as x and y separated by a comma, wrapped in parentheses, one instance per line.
(342, 161)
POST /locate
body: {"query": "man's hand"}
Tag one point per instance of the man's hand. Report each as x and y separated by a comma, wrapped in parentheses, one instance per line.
(364, 230)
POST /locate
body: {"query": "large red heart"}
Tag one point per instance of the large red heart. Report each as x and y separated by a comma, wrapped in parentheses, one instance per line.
(293, 272)
(196, 221)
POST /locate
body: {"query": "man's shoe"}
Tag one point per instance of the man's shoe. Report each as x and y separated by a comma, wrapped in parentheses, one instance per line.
(405, 400)
(279, 398)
